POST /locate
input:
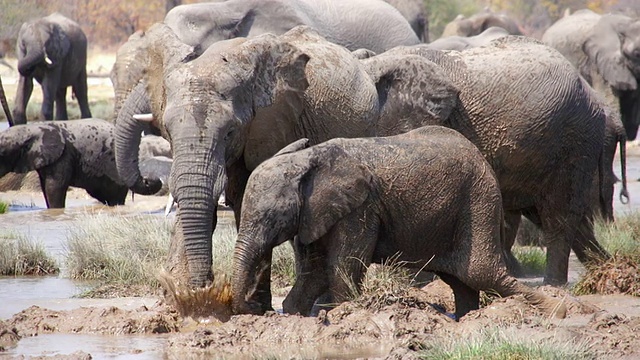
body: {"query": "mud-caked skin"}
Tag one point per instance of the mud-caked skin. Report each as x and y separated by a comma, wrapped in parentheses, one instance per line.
(427, 196)
(65, 153)
(52, 50)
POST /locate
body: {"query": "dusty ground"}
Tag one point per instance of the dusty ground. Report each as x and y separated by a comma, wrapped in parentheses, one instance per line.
(402, 325)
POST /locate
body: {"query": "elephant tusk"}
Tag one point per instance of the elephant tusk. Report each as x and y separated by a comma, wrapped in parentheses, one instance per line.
(143, 117)
(47, 60)
(170, 202)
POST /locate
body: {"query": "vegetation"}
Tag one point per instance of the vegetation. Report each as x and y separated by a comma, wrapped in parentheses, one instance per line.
(532, 259)
(497, 344)
(621, 273)
(20, 256)
(4, 207)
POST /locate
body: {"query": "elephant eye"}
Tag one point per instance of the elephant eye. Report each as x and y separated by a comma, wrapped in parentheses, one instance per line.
(229, 134)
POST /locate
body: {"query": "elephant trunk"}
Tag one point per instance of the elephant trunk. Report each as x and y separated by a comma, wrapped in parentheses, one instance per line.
(197, 180)
(250, 260)
(32, 59)
(5, 105)
(128, 134)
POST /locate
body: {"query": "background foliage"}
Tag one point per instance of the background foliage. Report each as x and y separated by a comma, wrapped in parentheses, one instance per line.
(109, 23)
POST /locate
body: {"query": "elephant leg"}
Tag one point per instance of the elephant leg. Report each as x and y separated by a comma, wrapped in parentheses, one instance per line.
(238, 176)
(49, 94)
(23, 94)
(61, 104)
(311, 279)
(585, 245)
(466, 298)
(511, 224)
(54, 185)
(80, 90)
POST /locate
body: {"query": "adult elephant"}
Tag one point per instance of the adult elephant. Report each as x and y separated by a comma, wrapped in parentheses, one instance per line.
(539, 125)
(460, 43)
(243, 100)
(477, 23)
(416, 14)
(606, 50)
(350, 202)
(71, 153)
(351, 23)
(52, 50)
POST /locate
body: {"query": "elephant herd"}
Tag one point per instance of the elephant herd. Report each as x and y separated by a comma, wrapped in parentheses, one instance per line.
(355, 142)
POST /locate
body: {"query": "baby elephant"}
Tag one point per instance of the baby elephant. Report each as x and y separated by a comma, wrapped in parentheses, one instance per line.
(65, 153)
(427, 195)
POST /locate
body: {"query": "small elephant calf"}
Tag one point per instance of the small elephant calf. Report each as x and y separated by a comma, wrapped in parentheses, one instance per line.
(76, 153)
(427, 195)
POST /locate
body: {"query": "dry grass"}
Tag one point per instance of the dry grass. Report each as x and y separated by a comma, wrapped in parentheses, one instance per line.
(501, 344)
(21, 256)
(620, 274)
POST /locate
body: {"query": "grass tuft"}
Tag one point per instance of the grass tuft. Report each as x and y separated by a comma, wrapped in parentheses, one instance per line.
(21, 256)
(533, 260)
(497, 344)
(620, 274)
(118, 250)
(4, 207)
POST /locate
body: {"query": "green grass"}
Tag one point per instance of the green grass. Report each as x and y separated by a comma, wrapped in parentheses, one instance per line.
(21, 256)
(4, 207)
(621, 237)
(532, 259)
(496, 344)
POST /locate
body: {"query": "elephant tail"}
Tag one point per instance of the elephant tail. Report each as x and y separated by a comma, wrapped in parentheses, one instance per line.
(624, 193)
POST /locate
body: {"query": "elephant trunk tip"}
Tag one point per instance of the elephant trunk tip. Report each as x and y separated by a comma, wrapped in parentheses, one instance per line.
(146, 186)
(212, 301)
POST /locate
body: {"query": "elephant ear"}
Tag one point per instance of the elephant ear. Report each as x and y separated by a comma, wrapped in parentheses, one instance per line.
(32, 146)
(266, 65)
(335, 186)
(603, 48)
(58, 44)
(411, 88)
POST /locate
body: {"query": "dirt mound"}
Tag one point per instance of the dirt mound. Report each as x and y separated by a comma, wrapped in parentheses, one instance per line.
(619, 275)
(91, 320)
(8, 336)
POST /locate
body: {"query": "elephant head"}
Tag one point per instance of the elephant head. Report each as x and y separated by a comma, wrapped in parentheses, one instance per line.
(5, 105)
(477, 23)
(41, 43)
(613, 47)
(303, 195)
(128, 69)
(26, 148)
(205, 107)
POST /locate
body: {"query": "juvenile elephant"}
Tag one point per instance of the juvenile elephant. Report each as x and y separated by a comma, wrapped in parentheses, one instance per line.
(52, 50)
(427, 196)
(71, 153)
(539, 125)
(477, 23)
(350, 23)
(243, 100)
(606, 51)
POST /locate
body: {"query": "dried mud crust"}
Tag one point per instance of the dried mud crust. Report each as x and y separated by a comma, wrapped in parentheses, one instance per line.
(157, 319)
(390, 325)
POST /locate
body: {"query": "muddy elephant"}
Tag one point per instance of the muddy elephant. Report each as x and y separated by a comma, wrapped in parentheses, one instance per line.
(606, 51)
(344, 22)
(477, 23)
(240, 102)
(427, 197)
(416, 14)
(5, 105)
(71, 153)
(539, 125)
(52, 50)
(460, 43)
